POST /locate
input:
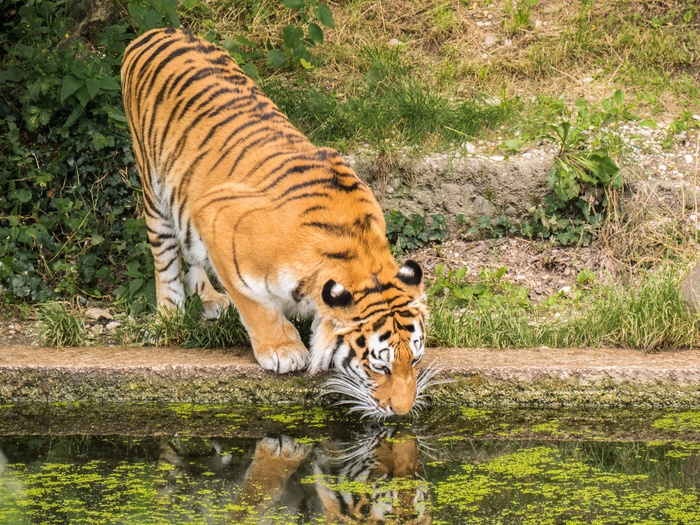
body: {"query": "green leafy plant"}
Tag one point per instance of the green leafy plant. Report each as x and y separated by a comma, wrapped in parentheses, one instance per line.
(409, 233)
(580, 175)
(490, 288)
(294, 49)
(65, 160)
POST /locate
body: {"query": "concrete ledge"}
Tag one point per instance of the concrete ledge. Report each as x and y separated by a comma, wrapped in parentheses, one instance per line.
(495, 378)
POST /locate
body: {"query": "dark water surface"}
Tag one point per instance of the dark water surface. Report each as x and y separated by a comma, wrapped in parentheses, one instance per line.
(173, 464)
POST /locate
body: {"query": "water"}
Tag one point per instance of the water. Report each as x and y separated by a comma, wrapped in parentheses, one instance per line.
(172, 464)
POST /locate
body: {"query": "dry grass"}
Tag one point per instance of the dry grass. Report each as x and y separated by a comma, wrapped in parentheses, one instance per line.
(464, 49)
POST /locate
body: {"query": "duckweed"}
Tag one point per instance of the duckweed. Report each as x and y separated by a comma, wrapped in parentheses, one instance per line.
(680, 422)
(465, 466)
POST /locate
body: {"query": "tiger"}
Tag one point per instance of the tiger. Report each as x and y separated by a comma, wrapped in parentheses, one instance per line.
(287, 228)
(378, 478)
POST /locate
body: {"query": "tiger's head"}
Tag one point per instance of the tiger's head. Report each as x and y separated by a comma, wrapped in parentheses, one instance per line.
(373, 333)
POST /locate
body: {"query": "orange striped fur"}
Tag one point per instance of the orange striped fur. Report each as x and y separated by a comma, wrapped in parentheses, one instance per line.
(233, 188)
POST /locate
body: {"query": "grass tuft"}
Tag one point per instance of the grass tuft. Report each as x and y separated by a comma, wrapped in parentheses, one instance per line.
(59, 326)
(188, 328)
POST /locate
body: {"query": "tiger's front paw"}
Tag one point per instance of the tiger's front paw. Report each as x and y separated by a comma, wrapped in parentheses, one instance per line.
(288, 357)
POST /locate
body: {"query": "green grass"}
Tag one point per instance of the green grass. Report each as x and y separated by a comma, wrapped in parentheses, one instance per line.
(401, 74)
(649, 315)
(59, 326)
(390, 108)
(188, 328)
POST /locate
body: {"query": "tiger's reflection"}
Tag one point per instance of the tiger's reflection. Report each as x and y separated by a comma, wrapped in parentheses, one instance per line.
(378, 478)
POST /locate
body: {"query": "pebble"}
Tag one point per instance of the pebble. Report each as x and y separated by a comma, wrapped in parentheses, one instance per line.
(394, 42)
(688, 159)
(566, 291)
(98, 313)
(111, 327)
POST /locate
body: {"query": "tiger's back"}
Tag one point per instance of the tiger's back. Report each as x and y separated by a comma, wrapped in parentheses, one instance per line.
(232, 186)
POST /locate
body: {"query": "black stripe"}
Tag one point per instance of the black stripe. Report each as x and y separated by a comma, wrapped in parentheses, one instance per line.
(301, 185)
(335, 229)
(302, 196)
(314, 208)
(346, 255)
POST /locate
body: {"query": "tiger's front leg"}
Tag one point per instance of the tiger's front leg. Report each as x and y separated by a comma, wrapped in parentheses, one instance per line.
(170, 292)
(276, 343)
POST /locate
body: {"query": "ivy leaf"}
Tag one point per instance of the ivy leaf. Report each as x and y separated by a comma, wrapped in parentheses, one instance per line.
(69, 86)
(21, 195)
(324, 15)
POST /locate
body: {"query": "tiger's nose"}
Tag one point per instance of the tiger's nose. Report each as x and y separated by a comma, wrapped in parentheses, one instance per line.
(399, 408)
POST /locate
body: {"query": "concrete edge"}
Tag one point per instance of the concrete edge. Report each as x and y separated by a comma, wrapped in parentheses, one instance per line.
(473, 377)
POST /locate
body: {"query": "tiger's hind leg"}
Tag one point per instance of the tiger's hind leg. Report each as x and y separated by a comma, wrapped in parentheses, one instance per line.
(197, 282)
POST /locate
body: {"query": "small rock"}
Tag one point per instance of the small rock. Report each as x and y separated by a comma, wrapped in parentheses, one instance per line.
(688, 159)
(497, 158)
(663, 167)
(16, 327)
(696, 117)
(538, 24)
(394, 42)
(111, 327)
(98, 313)
(469, 147)
(490, 40)
(587, 80)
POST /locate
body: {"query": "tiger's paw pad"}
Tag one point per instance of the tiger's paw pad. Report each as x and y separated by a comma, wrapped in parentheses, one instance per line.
(283, 446)
(284, 358)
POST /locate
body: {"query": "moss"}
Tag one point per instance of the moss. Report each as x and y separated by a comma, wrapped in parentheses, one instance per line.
(679, 422)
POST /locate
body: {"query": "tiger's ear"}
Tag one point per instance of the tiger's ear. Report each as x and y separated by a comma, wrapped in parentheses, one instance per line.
(335, 295)
(410, 273)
